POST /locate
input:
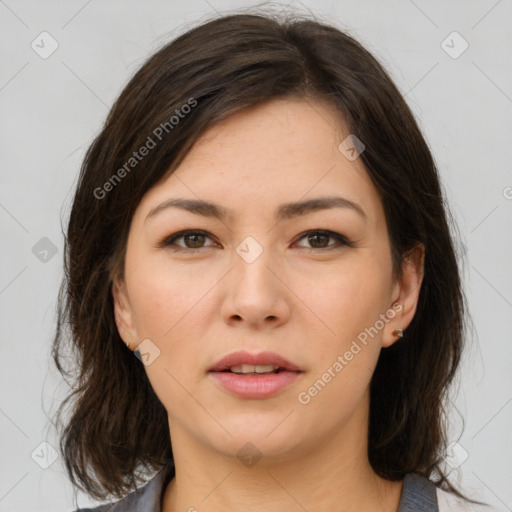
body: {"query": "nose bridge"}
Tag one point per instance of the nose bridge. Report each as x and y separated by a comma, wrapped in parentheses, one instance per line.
(252, 264)
(255, 292)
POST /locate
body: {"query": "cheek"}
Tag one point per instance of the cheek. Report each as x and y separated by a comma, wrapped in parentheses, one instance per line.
(346, 348)
(163, 296)
(153, 303)
(346, 300)
(163, 305)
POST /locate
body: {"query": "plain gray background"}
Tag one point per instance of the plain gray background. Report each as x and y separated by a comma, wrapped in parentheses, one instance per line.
(53, 107)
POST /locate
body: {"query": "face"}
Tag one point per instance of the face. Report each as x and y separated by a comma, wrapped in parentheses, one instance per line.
(313, 285)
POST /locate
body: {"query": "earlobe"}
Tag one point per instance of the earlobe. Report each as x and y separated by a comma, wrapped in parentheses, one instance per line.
(123, 314)
(407, 295)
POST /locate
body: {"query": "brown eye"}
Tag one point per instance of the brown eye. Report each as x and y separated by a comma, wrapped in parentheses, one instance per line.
(192, 240)
(319, 239)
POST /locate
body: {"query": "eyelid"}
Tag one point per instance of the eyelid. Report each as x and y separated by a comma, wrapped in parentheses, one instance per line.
(341, 240)
(167, 241)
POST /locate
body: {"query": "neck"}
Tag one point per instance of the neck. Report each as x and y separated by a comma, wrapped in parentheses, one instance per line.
(333, 475)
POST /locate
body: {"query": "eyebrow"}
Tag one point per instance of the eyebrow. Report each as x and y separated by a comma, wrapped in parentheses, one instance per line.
(283, 212)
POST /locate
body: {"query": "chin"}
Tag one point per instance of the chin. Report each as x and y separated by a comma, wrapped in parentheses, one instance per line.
(258, 434)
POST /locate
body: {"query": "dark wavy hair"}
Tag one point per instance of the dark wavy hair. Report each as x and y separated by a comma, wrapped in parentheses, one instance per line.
(117, 429)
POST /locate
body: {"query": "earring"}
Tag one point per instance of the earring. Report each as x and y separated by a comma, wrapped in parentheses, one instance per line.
(399, 333)
(127, 344)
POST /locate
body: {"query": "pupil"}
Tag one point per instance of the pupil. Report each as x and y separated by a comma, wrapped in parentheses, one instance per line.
(195, 236)
(312, 237)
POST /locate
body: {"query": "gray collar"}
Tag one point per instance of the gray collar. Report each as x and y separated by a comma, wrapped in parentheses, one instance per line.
(418, 495)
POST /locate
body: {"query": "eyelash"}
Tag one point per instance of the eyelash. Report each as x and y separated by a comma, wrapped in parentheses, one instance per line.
(168, 241)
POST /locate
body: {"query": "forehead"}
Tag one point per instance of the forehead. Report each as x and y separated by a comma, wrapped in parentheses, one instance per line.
(279, 152)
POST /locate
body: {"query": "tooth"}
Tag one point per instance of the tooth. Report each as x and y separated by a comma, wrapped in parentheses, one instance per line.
(250, 368)
(264, 368)
(242, 368)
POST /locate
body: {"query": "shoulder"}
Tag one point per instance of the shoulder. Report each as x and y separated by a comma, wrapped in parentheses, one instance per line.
(146, 499)
(419, 493)
(101, 508)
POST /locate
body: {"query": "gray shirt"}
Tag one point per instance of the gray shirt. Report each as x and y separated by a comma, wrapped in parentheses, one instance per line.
(418, 495)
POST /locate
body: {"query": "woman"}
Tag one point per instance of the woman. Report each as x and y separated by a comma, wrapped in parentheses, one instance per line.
(261, 223)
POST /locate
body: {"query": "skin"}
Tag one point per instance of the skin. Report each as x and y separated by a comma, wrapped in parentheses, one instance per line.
(298, 298)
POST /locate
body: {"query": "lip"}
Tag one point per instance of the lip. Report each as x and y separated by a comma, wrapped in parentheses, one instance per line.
(243, 357)
(254, 386)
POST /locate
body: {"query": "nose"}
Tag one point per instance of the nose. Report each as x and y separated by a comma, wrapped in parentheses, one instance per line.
(256, 295)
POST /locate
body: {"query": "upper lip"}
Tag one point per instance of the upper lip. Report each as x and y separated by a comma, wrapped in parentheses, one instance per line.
(262, 358)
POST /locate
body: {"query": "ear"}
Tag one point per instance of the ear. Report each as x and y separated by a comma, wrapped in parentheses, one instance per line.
(123, 314)
(405, 295)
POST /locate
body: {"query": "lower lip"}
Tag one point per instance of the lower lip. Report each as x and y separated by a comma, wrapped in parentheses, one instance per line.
(255, 386)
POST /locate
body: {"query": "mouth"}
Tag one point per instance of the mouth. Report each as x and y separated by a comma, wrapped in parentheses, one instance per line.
(250, 369)
(243, 362)
(254, 375)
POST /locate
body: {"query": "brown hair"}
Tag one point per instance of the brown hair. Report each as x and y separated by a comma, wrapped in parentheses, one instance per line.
(117, 424)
